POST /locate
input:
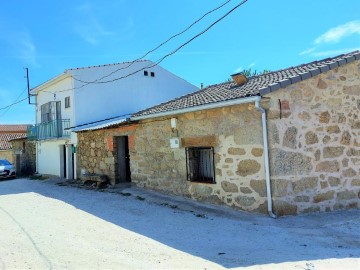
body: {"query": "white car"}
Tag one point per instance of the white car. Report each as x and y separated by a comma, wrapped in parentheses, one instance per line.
(7, 170)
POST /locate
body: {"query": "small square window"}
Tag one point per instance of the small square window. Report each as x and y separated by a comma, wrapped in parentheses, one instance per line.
(67, 102)
(200, 164)
(146, 73)
(152, 74)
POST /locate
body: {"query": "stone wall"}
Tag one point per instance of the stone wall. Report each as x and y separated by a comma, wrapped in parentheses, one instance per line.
(236, 133)
(27, 151)
(96, 150)
(7, 154)
(314, 130)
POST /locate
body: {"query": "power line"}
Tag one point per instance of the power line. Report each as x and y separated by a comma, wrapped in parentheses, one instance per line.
(161, 59)
(7, 108)
(157, 47)
(180, 47)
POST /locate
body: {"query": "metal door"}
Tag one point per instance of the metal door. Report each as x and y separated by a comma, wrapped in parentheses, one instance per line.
(123, 159)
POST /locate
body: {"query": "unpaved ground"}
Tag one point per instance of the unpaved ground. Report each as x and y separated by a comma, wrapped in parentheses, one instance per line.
(46, 226)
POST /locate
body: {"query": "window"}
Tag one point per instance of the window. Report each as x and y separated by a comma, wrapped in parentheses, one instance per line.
(200, 164)
(152, 74)
(146, 73)
(50, 111)
(67, 102)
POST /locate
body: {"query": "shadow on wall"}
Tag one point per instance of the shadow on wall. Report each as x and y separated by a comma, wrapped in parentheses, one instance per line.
(245, 241)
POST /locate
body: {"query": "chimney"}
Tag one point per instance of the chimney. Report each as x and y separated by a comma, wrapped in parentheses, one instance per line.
(239, 78)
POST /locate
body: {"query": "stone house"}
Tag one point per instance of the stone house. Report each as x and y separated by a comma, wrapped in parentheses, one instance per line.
(24, 156)
(285, 142)
(7, 133)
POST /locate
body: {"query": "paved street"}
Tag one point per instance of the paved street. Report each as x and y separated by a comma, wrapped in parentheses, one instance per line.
(47, 226)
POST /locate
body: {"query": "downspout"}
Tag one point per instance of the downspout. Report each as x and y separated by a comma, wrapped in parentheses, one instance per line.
(36, 140)
(266, 158)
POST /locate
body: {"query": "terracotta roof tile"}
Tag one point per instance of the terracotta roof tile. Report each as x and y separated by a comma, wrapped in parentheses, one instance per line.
(13, 128)
(5, 138)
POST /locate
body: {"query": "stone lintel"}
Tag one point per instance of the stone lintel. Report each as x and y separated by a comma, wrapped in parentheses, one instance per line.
(199, 141)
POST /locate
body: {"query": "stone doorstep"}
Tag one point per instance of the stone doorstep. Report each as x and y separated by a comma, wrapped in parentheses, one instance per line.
(98, 178)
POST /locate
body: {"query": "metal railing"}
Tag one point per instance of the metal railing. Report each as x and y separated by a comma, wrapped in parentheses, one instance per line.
(49, 130)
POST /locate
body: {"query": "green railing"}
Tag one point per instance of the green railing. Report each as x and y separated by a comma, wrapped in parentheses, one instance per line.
(49, 130)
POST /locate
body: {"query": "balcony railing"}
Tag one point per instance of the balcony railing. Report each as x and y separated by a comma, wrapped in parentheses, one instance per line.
(49, 130)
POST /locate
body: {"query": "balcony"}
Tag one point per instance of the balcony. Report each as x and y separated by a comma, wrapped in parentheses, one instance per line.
(50, 130)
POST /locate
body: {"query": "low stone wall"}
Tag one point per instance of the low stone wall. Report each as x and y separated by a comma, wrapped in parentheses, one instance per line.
(314, 130)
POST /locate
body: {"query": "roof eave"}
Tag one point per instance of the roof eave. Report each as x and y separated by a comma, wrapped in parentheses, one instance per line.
(50, 82)
(198, 108)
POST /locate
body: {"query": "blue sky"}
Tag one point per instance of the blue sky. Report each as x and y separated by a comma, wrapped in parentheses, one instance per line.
(50, 36)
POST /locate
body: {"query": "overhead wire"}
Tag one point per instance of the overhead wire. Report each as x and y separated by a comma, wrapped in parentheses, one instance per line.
(8, 107)
(180, 47)
(147, 53)
(158, 61)
(158, 46)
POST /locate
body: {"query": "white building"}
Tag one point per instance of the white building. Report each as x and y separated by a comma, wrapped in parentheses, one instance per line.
(84, 97)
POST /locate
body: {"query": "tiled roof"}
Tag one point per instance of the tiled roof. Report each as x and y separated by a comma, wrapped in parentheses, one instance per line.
(13, 128)
(257, 85)
(5, 138)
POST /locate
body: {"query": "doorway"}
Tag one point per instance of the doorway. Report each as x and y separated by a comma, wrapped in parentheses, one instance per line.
(123, 160)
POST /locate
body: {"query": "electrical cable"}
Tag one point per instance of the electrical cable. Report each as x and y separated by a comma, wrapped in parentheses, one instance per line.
(161, 59)
(180, 47)
(7, 108)
(157, 47)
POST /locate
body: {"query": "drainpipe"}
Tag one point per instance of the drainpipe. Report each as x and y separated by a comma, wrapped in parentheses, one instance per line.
(266, 158)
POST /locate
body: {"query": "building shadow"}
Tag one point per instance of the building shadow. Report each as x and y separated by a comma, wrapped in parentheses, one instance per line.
(223, 236)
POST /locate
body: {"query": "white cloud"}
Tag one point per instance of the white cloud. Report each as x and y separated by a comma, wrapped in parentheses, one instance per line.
(241, 68)
(308, 51)
(337, 33)
(333, 52)
(89, 26)
(27, 50)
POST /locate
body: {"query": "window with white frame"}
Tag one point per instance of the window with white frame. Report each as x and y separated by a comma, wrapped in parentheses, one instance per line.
(67, 102)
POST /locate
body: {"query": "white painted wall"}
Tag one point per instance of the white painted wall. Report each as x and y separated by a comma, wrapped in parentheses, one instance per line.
(100, 101)
(94, 102)
(48, 154)
(62, 88)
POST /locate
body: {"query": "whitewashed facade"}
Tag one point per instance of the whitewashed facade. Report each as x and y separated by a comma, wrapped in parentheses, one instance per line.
(84, 96)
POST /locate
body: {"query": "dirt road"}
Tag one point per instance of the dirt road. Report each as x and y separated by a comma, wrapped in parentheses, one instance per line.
(46, 226)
